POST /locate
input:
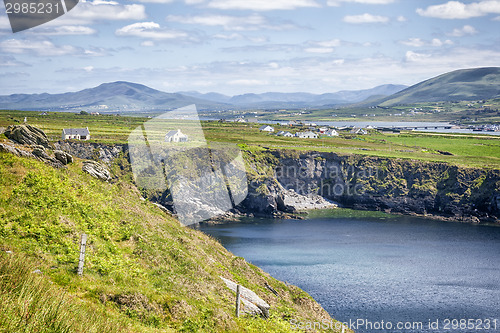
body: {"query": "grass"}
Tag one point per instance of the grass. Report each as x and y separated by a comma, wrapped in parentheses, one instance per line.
(30, 303)
(468, 150)
(143, 272)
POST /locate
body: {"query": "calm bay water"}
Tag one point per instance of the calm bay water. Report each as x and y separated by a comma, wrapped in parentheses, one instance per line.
(397, 269)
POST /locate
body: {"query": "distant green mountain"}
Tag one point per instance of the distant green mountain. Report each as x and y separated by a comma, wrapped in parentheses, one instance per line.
(461, 85)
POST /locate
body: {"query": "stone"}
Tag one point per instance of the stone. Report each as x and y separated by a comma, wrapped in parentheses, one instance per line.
(63, 157)
(252, 303)
(96, 170)
(27, 135)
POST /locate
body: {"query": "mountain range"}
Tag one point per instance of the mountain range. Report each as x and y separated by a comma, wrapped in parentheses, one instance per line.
(121, 96)
(124, 96)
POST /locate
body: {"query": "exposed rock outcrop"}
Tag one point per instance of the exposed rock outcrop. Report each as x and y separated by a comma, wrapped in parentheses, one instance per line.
(8, 148)
(27, 135)
(252, 304)
(372, 183)
(90, 150)
(38, 152)
(63, 157)
(97, 170)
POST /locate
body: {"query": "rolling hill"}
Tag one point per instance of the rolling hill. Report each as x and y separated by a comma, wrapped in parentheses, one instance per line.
(114, 96)
(460, 85)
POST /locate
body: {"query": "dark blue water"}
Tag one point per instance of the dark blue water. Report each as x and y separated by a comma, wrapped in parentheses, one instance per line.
(398, 270)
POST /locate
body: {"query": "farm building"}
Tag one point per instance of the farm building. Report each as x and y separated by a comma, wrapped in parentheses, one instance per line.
(76, 133)
(266, 128)
(331, 132)
(176, 136)
(306, 135)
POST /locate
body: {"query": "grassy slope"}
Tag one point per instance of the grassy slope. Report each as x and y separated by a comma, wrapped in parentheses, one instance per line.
(467, 84)
(143, 271)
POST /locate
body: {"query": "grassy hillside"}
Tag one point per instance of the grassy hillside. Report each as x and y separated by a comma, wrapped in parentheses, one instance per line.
(461, 85)
(144, 272)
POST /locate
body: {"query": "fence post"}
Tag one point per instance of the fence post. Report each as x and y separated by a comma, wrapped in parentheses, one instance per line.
(238, 300)
(81, 260)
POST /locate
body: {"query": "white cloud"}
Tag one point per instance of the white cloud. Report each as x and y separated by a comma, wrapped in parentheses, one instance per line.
(327, 46)
(319, 49)
(148, 43)
(150, 30)
(262, 5)
(459, 10)
(418, 42)
(438, 42)
(88, 69)
(63, 30)
(414, 42)
(233, 23)
(465, 30)
(415, 57)
(337, 3)
(233, 36)
(88, 12)
(401, 18)
(329, 43)
(40, 48)
(365, 18)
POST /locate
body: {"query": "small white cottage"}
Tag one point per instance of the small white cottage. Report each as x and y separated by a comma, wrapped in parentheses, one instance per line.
(331, 132)
(76, 133)
(266, 128)
(176, 136)
(306, 135)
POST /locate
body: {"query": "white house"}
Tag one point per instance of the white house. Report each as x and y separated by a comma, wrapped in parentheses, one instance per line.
(288, 135)
(331, 132)
(76, 133)
(266, 128)
(306, 135)
(359, 131)
(280, 133)
(176, 136)
(322, 130)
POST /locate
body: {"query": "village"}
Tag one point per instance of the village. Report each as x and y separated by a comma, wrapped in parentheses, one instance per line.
(311, 130)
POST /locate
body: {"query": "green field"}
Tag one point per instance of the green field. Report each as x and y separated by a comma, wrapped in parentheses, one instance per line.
(467, 150)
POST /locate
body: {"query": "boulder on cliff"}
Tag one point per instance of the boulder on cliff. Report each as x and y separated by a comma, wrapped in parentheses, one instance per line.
(97, 170)
(63, 157)
(27, 135)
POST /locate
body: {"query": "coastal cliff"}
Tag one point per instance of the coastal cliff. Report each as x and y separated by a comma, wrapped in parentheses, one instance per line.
(287, 181)
(371, 183)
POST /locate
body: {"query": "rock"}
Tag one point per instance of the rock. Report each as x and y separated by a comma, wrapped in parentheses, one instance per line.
(14, 150)
(475, 220)
(37, 271)
(97, 170)
(252, 303)
(40, 153)
(27, 135)
(63, 157)
(290, 201)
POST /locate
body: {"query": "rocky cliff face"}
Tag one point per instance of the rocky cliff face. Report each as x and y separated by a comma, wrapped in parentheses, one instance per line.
(360, 182)
(283, 182)
(91, 151)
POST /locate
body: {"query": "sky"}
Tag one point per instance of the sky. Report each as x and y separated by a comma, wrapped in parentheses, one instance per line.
(249, 46)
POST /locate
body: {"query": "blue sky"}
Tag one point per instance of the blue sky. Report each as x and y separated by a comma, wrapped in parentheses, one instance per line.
(242, 46)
